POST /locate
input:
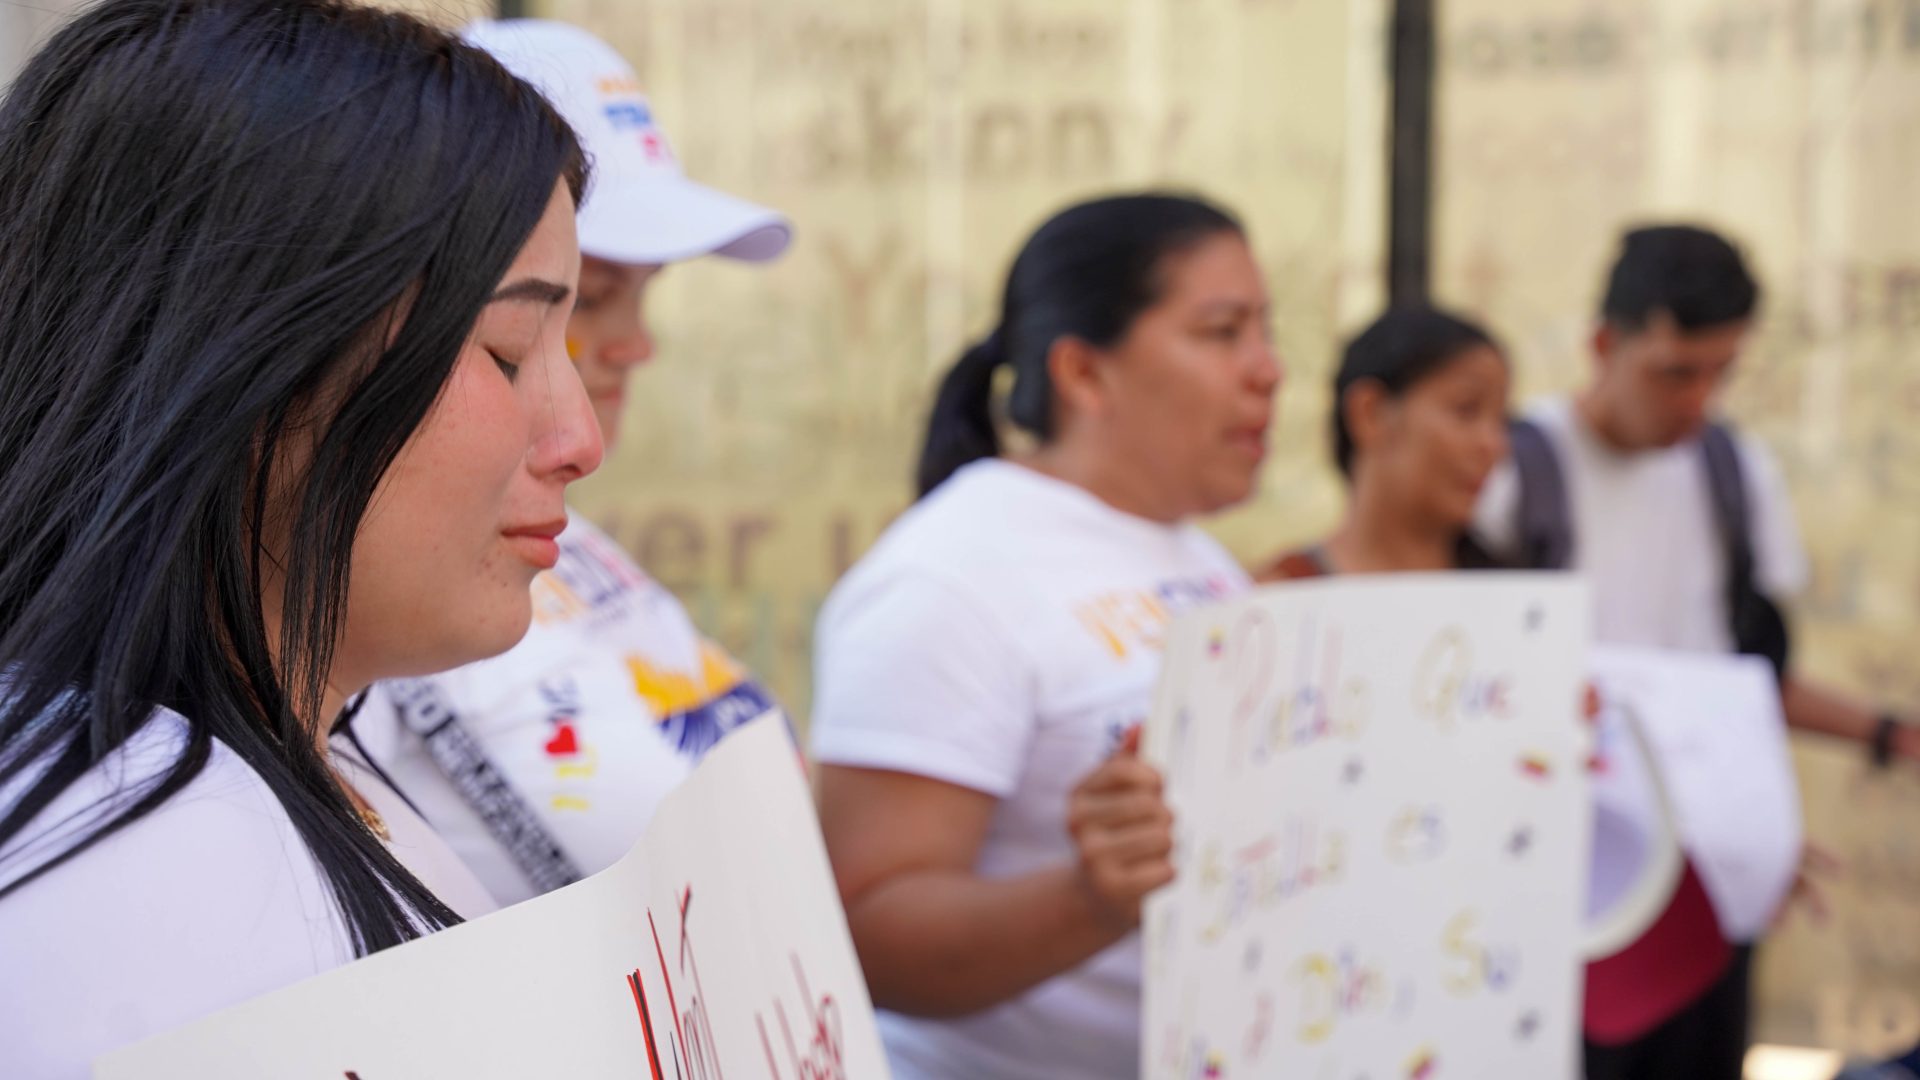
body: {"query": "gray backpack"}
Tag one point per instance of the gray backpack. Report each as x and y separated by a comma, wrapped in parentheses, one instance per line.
(1547, 541)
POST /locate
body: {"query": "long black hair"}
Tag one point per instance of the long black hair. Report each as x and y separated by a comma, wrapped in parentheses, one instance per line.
(1088, 272)
(1397, 351)
(234, 235)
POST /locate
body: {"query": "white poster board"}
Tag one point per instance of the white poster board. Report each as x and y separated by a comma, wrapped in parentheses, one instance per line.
(1382, 821)
(724, 921)
(1719, 740)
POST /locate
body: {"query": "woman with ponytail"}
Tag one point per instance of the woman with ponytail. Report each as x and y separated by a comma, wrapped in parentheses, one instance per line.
(286, 409)
(982, 672)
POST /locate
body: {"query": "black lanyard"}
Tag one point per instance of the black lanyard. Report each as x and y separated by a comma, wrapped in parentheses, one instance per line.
(500, 807)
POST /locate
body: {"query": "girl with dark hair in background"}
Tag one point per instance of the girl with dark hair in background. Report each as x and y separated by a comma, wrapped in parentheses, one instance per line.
(1419, 422)
(980, 674)
(286, 409)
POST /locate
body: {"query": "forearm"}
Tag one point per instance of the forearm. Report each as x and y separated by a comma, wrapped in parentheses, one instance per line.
(1819, 710)
(947, 943)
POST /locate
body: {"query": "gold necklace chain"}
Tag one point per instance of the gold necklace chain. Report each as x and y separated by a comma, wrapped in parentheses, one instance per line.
(369, 817)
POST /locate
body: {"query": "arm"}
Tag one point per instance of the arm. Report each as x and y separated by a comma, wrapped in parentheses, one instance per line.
(936, 939)
(1782, 572)
(1821, 710)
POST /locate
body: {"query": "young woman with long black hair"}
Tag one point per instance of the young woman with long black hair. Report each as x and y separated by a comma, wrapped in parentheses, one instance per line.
(981, 670)
(286, 408)
(1419, 423)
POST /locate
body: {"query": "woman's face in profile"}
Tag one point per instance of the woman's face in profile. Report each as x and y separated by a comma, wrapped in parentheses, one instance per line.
(1191, 386)
(1443, 436)
(468, 512)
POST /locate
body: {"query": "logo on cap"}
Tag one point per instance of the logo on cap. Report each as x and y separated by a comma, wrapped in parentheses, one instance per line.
(628, 113)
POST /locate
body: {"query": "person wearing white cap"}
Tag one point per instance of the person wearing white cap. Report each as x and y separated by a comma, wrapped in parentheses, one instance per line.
(544, 764)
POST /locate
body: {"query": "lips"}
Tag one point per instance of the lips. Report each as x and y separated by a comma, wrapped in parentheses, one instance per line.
(537, 544)
(1252, 438)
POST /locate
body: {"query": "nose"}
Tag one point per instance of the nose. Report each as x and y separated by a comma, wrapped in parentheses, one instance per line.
(1265, 371)
(1496, 442)
(566, 438)
(629, 342)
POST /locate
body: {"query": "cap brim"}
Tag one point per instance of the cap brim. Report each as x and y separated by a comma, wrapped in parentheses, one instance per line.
(648, 221)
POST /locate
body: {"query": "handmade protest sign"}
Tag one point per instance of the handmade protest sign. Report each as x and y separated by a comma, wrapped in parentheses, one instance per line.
(1382, 829)
(716, 948)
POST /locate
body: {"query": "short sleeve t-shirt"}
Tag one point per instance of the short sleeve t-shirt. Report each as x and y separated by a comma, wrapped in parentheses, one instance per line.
(1644, 533)
(207, 901)
(1002, 636)
(592, 718)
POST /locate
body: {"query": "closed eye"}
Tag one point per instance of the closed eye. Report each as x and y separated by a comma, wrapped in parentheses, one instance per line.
(507, 367)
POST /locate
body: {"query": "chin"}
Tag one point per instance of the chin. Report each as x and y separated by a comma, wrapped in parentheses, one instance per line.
(1459, 515)
(1225, 496)
(1673, 437)
(508, 631)
(484, 635)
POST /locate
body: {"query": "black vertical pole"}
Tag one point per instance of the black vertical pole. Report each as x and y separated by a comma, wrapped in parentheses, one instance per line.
(1410, 159)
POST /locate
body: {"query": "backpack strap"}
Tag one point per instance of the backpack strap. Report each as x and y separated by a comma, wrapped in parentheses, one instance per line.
(1726, 482)
(1545, 514)
(1758, 626)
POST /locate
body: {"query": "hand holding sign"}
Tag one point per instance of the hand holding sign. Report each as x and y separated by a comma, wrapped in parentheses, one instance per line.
(1123, 831)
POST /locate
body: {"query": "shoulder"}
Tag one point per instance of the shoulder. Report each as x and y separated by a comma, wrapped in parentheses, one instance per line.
(955, 545)
(1758, 463)
(1209, 556)
(1293, 566)
(210, 899)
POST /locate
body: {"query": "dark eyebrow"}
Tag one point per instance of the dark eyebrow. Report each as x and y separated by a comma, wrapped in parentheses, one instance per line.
(1235, 308)
(534, 290)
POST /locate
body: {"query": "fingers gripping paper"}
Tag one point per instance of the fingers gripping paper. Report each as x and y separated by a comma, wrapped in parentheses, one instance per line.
(1381, 814)
(716, 948)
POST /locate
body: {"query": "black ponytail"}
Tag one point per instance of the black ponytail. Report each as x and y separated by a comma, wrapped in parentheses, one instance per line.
(1089, 272)
(961, 429)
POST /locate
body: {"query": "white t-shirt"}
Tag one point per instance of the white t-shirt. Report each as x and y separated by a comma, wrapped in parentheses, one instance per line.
(1644, 533)
(592, 718)
(1002, 636)
(207, 901)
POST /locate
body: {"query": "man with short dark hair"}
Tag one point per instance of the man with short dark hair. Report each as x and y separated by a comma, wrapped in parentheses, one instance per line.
(1686, 532)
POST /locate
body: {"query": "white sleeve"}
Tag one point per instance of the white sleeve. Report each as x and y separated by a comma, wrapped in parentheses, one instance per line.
(211, 899)
(1496, 517)
(1780, 559)
(913, 675)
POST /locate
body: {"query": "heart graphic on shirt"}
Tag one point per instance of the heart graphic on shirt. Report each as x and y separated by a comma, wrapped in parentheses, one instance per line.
(563, 743)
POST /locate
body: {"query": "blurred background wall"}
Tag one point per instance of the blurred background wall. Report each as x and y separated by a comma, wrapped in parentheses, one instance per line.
(916, 142)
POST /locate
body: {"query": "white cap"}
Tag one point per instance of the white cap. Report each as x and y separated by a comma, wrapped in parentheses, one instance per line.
(639, 209)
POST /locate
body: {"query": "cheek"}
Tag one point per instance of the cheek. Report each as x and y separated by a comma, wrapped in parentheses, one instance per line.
(450, 482)
(430, 586)
(1436, 445)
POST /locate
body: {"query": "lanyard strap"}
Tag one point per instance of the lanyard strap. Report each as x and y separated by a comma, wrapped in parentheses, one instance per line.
(501, 808)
